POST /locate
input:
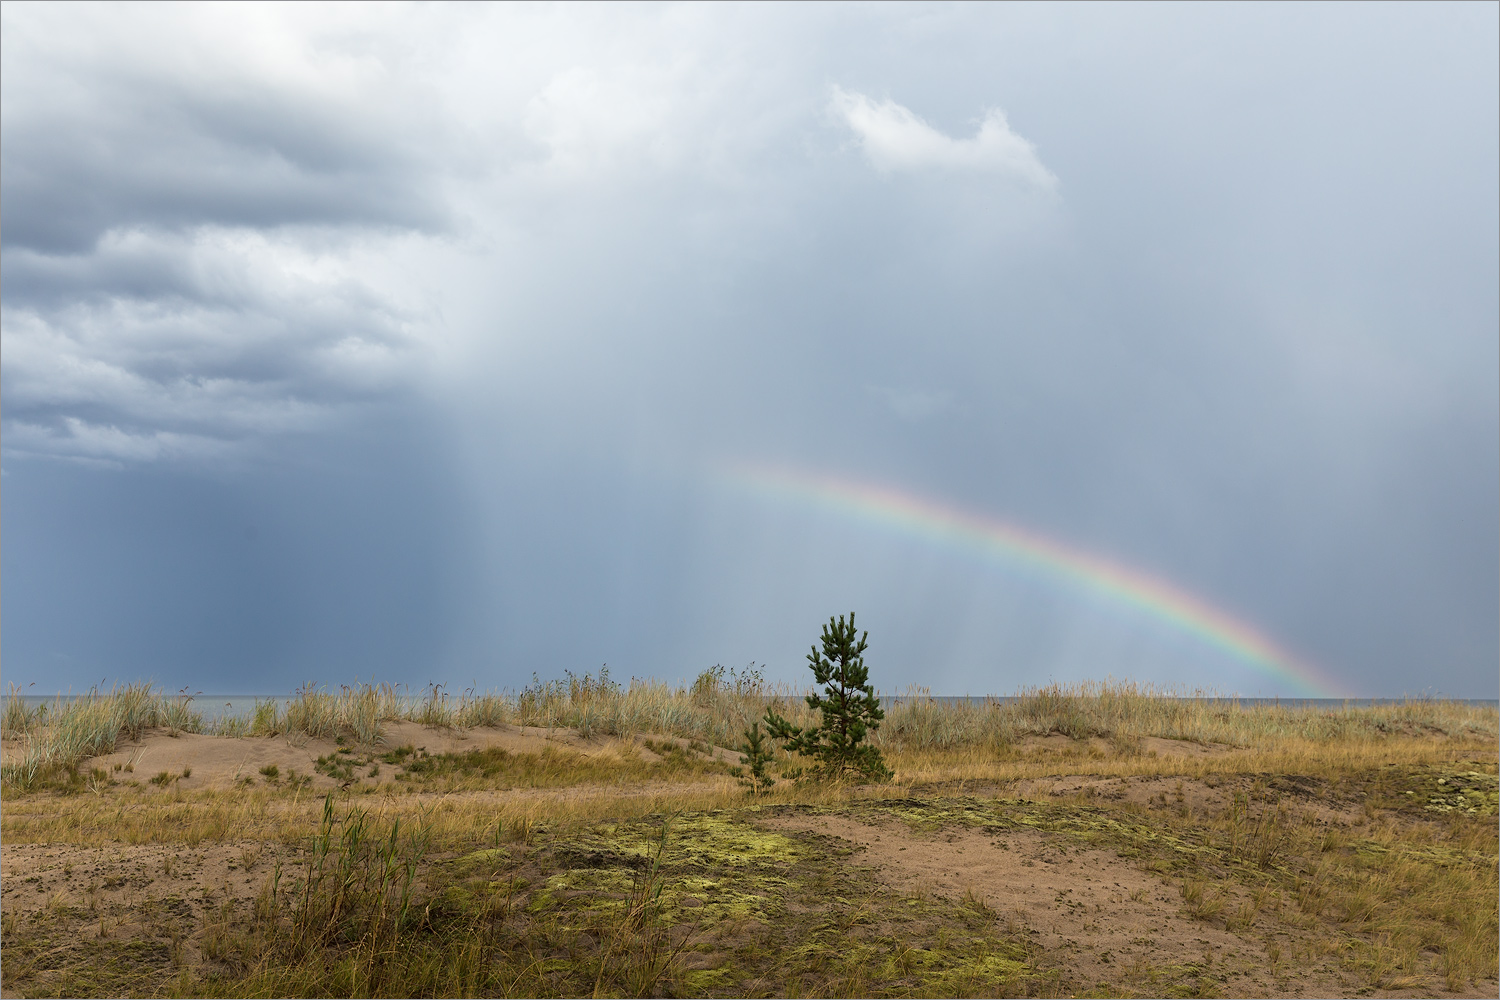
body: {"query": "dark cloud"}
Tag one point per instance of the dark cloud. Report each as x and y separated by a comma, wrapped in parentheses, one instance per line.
(1210, 295)
(57, 201)
(161, 345)
(330, 563)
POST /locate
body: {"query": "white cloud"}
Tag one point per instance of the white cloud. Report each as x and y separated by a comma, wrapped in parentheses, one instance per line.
(584, 118)
(894, 138)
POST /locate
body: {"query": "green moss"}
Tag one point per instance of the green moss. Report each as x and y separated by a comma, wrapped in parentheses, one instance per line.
(977, 973)
(1468, 788)
(794, 913)
(715, 868)
(1470, 792)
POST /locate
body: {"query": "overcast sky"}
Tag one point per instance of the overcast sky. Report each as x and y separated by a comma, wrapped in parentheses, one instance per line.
(418, 344)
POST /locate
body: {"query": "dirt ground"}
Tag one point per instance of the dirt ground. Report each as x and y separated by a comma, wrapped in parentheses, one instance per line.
(1103, 917)
(217, 762)
(1100, 916)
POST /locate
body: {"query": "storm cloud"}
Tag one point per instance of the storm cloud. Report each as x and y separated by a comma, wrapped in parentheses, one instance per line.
(413, 342)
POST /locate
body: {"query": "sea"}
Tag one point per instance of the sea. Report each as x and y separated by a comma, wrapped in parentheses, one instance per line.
(212, 706)
(217, 706)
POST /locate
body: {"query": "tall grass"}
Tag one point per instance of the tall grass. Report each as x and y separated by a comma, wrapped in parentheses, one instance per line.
(19, 718)
(59, 736)
(717, 708)
(1124, 710)
(353, 897)
(717, 711)
(354, 712)
(358, 918)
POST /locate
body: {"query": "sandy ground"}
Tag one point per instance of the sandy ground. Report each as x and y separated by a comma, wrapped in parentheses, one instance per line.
(1100, 916)
(135, 892)
(1088, 910)
(1097, 915)
(217, 762)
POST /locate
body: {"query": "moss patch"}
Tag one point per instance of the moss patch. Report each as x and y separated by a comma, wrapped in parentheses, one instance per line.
(751, 912)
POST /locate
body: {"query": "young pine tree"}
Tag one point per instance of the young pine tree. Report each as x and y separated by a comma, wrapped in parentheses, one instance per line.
(849, 707)
(755, 754)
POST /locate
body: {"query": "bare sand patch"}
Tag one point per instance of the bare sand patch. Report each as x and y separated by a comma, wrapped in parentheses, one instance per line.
(221, 761)
(159, 895)
(212, 761)
(1098, 916)
(100, 878)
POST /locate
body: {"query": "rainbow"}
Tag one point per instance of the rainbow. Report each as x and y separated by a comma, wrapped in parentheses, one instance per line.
(929, 519)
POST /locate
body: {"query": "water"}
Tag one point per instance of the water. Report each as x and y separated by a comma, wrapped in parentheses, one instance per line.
(211, 706)
(1324, 704)
(218, 706)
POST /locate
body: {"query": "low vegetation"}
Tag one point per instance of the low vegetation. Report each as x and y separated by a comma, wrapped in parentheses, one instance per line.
(716, 709)
(1261, 849)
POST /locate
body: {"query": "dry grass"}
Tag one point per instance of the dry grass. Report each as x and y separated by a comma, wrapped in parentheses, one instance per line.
(1359, 841)
(718, 707)
(977, 767)
(55, 738)
(1126, 711)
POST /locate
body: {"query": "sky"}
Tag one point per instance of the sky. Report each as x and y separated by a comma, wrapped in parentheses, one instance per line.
(467, 344)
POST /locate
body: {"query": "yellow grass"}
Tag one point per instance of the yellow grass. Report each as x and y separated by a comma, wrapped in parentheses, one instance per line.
(1377, 876)
(717, 711)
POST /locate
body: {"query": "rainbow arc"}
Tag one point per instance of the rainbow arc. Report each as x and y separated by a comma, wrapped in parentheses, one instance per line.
(1016, 545)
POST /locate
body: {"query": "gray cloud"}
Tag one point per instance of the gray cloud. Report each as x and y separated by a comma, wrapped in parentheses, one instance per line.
(1212, 297)
(171, 345)
(183, 216)
(127, 117)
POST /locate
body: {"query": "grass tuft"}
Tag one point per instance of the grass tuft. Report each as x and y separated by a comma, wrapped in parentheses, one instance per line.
(716, 709)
